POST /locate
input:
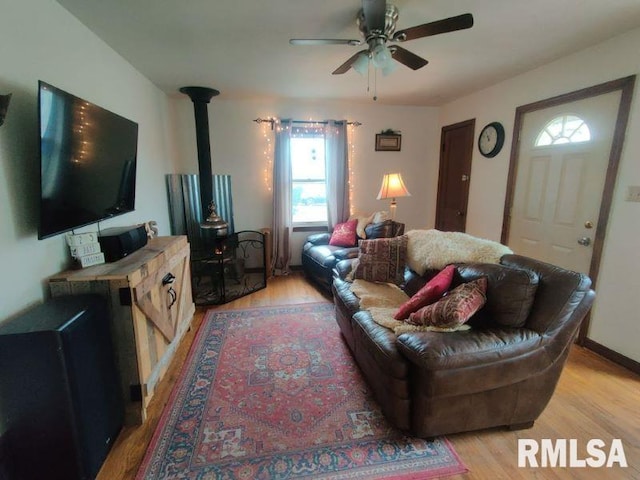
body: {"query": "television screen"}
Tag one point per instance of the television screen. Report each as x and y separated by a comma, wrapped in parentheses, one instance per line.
(87, 162)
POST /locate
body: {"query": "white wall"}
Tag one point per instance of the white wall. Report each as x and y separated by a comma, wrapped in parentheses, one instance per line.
(41, 40)
(615, 320)
(238, 145)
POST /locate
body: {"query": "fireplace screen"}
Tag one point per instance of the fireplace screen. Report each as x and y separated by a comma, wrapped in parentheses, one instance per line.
(232, 268)
(222, 268)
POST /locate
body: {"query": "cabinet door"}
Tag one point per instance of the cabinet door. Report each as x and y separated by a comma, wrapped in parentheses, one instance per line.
(162, 309)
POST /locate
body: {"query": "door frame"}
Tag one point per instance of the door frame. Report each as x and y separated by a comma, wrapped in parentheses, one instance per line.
(443, 171)
(625, 85)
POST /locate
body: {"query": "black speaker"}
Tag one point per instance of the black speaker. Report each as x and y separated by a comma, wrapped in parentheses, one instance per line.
(60, 403)
(118, 242)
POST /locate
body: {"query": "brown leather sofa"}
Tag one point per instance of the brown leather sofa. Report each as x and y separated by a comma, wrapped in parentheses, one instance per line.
(433, 383)
(319, 258)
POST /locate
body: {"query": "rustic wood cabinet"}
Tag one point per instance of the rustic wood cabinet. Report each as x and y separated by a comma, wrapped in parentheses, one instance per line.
(151, 307)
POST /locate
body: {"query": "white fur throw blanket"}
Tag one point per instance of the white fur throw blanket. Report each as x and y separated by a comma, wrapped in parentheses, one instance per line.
(382, 300)
(433, 249)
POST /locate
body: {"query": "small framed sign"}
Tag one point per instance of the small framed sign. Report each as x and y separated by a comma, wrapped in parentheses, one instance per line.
(390, 142)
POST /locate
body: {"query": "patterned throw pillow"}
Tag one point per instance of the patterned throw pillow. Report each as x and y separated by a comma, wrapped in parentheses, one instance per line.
(344, 234)
(382, 260)
(432, 291)
(455, 308)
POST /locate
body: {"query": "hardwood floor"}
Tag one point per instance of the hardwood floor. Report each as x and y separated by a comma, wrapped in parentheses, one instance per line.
(595, 399)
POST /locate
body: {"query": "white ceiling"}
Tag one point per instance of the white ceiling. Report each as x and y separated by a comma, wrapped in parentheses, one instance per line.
(241, 47)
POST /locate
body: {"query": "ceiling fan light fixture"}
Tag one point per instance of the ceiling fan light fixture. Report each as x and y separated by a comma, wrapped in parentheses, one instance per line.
(389, 69)
(361, 65)
(381, 56)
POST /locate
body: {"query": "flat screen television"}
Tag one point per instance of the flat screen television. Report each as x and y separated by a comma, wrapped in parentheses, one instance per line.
(87, 162)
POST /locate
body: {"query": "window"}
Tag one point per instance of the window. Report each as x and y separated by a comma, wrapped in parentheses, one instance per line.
(308, 178)
(563, 129)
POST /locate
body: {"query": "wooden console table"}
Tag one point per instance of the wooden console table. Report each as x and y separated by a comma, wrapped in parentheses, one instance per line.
(151, 307)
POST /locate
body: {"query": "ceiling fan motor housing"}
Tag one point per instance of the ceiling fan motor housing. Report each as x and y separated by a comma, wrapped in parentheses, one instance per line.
(390, 20)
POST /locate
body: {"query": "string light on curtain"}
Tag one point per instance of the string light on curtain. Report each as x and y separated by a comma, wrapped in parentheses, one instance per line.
(305, 127)
(351, 160)
(268, 151)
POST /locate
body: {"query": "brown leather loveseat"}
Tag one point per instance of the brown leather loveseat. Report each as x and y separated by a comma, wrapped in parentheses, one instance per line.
(434, 383)
(319, 258)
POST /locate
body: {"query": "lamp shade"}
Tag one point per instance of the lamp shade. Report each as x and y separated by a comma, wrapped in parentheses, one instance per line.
(392, 187)
(361, 65)
(389, 68)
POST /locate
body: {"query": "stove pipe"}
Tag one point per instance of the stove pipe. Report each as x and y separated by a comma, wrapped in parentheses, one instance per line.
(200, 96)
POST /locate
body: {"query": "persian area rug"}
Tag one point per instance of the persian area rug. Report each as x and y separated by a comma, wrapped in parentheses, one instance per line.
(273, 393)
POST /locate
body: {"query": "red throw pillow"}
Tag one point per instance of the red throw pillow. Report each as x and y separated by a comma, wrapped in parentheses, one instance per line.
(344, 234)
(455, 308)
(432, 291)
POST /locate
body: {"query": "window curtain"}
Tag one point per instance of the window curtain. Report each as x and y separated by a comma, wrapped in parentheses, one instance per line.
(282, 224)
(337, 172)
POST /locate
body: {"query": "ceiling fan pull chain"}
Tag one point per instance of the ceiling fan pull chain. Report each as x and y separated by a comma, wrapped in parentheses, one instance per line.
(375, 84)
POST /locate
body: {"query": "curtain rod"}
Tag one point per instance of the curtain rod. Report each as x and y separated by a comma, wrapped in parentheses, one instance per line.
(272, 121)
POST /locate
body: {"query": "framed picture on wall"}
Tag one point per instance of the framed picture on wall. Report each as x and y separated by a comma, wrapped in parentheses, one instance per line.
(389, 142)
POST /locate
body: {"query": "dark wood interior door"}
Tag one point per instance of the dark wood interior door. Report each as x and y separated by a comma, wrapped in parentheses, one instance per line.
(456, 149)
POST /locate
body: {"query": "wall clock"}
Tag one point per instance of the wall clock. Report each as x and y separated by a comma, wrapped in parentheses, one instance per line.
(491, 139)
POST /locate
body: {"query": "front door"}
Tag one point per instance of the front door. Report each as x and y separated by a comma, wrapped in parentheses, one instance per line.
(562, 174)
(562, 165)
(456, 149)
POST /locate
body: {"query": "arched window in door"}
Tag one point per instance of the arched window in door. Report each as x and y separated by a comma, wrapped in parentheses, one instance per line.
(563, 129)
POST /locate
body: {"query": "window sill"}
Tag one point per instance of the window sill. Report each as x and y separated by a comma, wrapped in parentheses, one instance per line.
(310, 228)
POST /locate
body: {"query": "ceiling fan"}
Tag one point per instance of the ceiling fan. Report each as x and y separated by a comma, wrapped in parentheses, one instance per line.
(376, 21)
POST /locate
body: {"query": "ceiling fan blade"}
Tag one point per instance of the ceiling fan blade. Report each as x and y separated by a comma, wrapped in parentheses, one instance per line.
(435, 28)
(374, 14)
(407, 58)
(324, 41)
(347, 65)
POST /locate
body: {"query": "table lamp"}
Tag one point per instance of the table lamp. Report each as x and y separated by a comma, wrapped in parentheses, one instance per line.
(393, 187)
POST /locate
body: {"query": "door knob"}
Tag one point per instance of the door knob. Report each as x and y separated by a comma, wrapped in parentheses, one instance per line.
(584, 241)
(588, 224)
(465, 178)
